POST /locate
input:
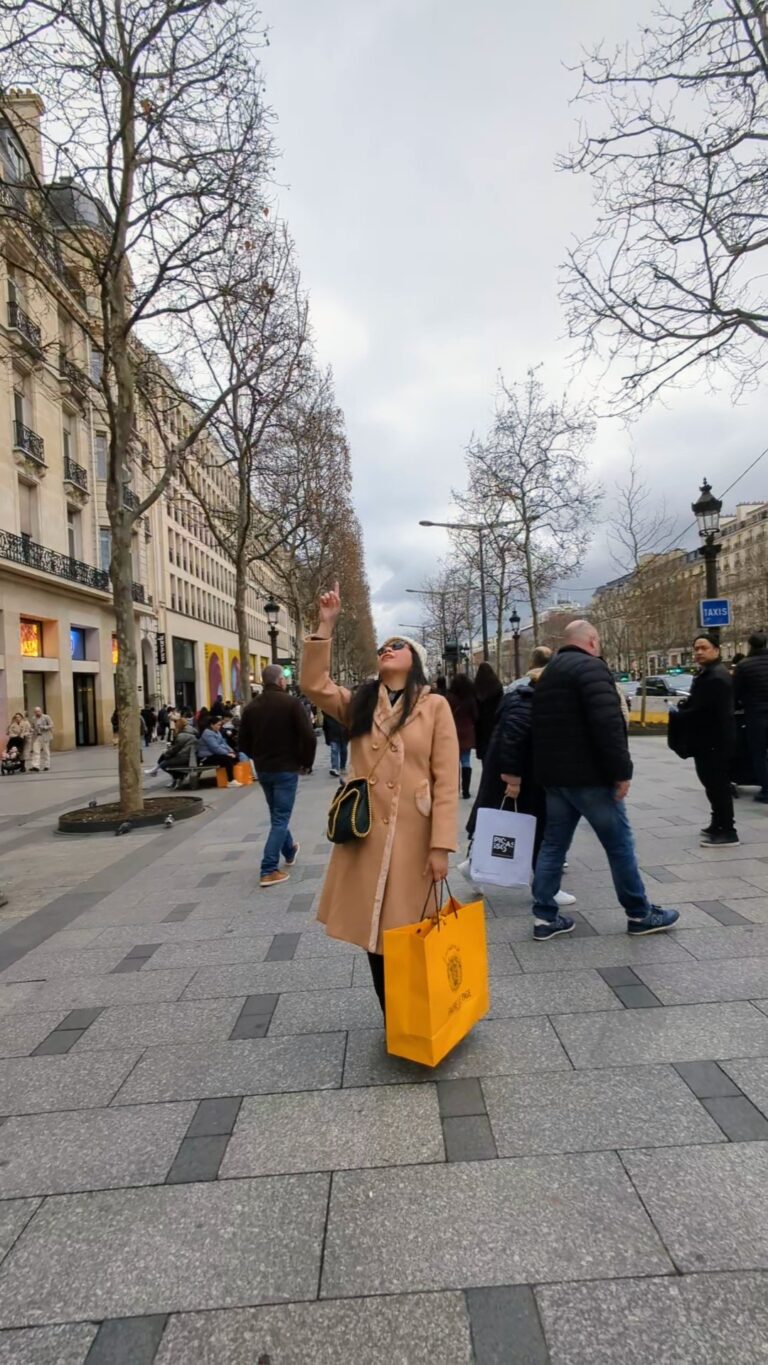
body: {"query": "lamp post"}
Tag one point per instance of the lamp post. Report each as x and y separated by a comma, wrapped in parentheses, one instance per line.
(706, 510)
(514, 621)
(272, 612)
(479, 530)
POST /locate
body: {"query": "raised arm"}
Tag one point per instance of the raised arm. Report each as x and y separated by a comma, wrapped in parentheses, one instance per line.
(315, 680)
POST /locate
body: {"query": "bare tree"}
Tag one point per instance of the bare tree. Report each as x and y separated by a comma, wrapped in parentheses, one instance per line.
(638, 525)
(531, 469)
(157, 139)
(670, 282)
(261, 355)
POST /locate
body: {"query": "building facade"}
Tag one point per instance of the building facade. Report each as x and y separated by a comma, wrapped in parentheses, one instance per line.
(57, 643)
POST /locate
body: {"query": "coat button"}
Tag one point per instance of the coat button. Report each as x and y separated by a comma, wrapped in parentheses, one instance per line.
(385, 821)
(394, 748)
(374, 746)
(372, 781)
(390, 785)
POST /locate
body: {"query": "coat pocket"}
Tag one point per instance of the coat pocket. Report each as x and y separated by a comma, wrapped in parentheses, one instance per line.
(424, 799)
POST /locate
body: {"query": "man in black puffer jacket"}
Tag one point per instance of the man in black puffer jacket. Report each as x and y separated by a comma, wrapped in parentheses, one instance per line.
(581, 757)
(750, 682)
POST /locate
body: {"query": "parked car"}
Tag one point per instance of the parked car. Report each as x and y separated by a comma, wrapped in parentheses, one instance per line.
(659, 686)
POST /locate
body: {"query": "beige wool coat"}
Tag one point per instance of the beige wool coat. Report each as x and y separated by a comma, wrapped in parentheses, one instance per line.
(379, 882)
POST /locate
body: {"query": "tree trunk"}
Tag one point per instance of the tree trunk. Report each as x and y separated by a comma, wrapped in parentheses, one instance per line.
(243, 639)
(530, 585)
(126, 680)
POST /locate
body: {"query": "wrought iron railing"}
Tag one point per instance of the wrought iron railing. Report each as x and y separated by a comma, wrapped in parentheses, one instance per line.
(130, 499)
(74, 473)
(24, 550)
(23, 323)
(74, 376)
(29, 441)
(137, 591)
(13, 199)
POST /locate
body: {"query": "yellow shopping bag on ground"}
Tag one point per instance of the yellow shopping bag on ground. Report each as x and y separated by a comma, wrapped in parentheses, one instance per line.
(435, 982)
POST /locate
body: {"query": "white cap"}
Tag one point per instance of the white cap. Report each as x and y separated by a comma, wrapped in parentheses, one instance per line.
(415, 647)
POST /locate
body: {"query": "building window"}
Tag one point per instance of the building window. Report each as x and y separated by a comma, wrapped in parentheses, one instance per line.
(97, 364)
(67, 438)
(77, 642)
(28, 510)
(100, 448)
(73, 533)
(31, 639)
(105, 547)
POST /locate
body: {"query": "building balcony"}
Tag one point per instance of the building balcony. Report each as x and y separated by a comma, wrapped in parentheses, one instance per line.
(75, 474)
(24, 550)
(73, 378)
(32, 445)
(138, 593)
(130, 500)
(22, 323)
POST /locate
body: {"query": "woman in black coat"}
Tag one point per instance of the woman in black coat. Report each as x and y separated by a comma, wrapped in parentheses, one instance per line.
(708, 729)
(488, 695)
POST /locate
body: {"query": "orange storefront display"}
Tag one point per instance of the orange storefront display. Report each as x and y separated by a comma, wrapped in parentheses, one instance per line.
(31, 639)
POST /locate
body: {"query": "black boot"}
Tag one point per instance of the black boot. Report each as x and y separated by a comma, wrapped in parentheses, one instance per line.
(466, 781)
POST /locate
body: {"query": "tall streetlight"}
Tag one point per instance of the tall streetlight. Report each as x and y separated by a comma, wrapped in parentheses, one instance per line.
(706, 510)
(514, 621)
(272, 612)
(479, 530)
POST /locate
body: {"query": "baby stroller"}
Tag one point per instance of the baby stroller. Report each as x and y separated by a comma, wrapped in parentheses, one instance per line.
(11, 762)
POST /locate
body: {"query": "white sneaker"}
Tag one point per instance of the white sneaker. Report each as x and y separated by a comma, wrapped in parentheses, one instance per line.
(151, 772)
(564, 898)
(233, 783)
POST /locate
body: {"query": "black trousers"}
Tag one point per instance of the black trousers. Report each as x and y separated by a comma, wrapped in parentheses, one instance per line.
(221, 761)
(756, 723)
(713, 772)
(376, 963)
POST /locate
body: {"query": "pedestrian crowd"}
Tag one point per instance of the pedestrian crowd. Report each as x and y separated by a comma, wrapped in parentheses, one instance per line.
(27, 743)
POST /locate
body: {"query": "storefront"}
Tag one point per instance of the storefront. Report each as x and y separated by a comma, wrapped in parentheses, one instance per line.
(184, 674)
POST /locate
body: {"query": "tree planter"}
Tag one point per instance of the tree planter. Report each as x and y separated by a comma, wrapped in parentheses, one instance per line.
(105, 819)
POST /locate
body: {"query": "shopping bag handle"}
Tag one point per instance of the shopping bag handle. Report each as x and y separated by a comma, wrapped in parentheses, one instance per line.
(433, 892)
(506, 798)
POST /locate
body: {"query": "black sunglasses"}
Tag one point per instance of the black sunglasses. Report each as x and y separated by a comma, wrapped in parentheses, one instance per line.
(393, 645)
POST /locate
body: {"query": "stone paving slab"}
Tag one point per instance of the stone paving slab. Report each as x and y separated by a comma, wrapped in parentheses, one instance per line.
(93, 1149)
(14, 1216)
(613, 951)
(510, 1222)
(85, 992)
(420, 1329)
(755, 910)
(161, 1025)
(496, 1047)
(322, 1011)
(335, 1130)
(106, 1255)
(593, 1110)
(253, 1067)
(181, 932)
(710, 1204)
(729, 941)
(751, 1076)
(44, 963)
(268, 978)
(215, 952)
(67, 1344)
(34, 1085)
(20, 1033)
(549, 993)
(683, 1033)
(726, 979)
(692, 1320)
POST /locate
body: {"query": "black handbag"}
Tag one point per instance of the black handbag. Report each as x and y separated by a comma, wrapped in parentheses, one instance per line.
(677, 733)
(350, 814)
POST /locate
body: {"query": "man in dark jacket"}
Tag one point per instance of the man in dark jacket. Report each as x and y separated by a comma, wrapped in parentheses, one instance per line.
(276, 732)
(750, 681)
(581, 757)
(337, 739)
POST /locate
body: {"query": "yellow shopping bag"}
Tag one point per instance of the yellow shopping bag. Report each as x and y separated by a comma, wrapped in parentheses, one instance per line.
(435, 982)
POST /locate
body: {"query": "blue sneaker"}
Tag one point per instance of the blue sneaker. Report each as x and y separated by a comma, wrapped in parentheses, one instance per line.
(655, 922)
(545, 929)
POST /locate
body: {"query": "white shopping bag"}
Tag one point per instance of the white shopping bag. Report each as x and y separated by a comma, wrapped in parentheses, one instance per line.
(502, 849)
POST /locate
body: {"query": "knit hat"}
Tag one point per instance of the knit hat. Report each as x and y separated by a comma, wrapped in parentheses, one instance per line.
(415, 648)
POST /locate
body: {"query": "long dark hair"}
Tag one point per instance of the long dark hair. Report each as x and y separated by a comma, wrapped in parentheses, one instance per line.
(364, 700)
(487, 683)
(461, 695)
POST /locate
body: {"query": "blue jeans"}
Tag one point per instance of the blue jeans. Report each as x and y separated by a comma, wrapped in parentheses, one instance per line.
(608, 818)
(338, 754)
(465, 758)
(280, 790)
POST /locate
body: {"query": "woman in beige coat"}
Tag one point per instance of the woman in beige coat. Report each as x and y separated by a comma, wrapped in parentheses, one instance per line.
(403, 736)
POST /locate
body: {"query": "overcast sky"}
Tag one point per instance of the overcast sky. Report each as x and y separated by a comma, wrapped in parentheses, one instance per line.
(418, 145)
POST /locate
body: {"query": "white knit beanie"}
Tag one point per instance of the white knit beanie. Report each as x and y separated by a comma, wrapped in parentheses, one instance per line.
(415, 647)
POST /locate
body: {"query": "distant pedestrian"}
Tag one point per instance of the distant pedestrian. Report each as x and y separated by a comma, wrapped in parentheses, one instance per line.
(337, 739)
(277, 734)
(461, 699)
(19, 740)
(581, 756)
(401, 728)
(162, 722)
(114, 722)
(214, 752)
(540, 657)
(708, 729)
(149, 717)
(488, 695)
(441, 686)
(217, 709)
(42, 737)
(750, 681)
(177, 757)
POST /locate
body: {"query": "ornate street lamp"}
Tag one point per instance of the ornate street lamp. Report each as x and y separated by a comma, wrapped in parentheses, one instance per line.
(514, 621)
(272, 612)
(706, 510)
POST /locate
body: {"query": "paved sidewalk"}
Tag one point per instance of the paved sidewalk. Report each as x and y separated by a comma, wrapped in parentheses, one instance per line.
(208, 1157)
